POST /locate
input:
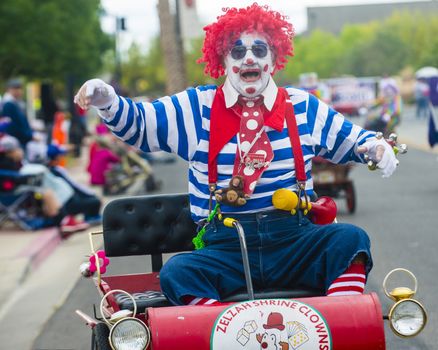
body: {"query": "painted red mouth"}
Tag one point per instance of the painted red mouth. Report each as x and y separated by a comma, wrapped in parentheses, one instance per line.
(250, 75)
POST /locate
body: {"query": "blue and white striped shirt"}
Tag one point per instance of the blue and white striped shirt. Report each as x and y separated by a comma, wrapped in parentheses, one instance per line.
(181, 124)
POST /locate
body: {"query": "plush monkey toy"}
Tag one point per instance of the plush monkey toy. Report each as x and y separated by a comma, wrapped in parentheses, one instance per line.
(233, 195)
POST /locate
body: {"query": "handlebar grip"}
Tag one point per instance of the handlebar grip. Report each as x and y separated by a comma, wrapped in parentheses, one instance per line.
(229, 222)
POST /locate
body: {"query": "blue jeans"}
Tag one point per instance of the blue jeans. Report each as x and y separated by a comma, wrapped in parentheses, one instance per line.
(284, 252)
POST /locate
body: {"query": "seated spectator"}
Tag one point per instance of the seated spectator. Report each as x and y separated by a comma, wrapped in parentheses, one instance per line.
(84, 201)
(11, 156)
(62, 210)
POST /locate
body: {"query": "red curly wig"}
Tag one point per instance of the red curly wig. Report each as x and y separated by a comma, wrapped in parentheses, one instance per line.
(221, 35)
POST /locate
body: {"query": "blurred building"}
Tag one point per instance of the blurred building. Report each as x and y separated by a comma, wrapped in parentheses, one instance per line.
(332, 18)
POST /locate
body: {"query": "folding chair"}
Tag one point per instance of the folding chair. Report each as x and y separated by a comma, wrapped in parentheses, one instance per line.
(19, 203)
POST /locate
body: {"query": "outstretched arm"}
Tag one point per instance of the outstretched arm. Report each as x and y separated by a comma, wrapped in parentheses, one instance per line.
(172, 123)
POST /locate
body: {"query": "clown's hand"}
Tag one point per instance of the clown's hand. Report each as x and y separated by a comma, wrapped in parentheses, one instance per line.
(380, 152)
(97, 93)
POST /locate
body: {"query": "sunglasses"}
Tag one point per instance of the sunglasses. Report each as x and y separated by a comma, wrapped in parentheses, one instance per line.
(259, 50)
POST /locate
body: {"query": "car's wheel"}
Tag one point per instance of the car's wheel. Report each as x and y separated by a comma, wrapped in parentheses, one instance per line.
(350, 196)
(100, 337)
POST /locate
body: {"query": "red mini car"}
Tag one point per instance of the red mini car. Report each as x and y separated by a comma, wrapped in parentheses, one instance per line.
(134, 314)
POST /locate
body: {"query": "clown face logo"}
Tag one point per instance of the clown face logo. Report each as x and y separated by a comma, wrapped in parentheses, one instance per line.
(249, 65)
(271, 325)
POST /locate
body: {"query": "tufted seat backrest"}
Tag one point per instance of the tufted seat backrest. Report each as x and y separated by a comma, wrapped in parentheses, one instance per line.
(148, 225)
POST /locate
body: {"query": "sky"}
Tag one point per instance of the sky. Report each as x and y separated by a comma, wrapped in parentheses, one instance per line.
(142, 18)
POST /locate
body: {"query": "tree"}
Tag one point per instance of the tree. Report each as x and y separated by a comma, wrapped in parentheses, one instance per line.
(195, 71)
(402, 40)
(319, 53)
(51, 39)
(144, 73)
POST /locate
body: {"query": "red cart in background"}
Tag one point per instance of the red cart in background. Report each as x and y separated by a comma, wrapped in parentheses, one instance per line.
(332, 180)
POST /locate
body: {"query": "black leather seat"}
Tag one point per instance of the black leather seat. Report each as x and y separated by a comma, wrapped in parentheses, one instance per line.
(157, 224)
(143, 300)
(148, 225)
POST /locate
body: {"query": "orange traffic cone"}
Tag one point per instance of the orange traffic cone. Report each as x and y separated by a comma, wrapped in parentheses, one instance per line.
(59, 135)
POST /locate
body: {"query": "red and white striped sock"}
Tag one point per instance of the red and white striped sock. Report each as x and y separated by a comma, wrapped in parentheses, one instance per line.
(351, 282)
(191, 300)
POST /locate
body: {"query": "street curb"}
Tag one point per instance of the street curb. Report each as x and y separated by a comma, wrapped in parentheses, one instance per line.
(38, 250)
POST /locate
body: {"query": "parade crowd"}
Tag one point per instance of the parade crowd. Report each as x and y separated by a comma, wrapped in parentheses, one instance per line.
(37, 189)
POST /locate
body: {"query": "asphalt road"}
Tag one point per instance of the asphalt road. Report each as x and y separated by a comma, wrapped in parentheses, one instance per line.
(400, 214)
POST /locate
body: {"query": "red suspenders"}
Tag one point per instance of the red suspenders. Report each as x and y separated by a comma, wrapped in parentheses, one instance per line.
(294, 136)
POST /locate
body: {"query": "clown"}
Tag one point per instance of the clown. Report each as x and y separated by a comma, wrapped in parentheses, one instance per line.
(386, 112)
(265, 137)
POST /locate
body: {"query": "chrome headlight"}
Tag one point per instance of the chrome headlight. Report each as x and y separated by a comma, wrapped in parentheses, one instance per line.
(407, 318)
(129, 334)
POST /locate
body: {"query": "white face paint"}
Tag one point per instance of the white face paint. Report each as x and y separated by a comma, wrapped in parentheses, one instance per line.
(250, 74)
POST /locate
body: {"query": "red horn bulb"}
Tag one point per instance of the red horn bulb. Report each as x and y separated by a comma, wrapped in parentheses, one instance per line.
(323, 211)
